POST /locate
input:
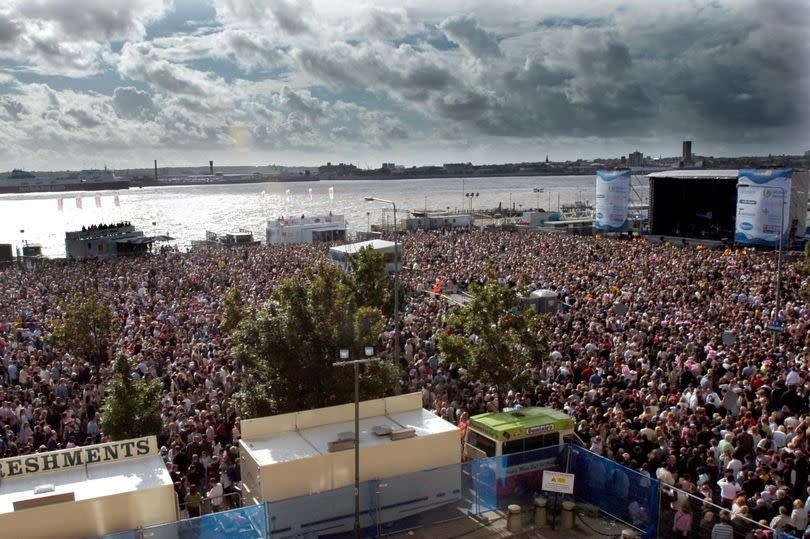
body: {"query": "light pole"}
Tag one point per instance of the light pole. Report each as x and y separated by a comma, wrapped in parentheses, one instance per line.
(396, 275)
(471, 196)
(344, 356)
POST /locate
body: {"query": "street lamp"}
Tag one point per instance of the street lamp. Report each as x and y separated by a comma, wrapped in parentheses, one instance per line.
(396, 275)
(471, 196)
(344, 356)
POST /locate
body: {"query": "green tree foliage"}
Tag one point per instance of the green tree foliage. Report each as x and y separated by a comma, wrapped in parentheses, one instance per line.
(368, 278)
(87, 329)
(132, 407)
(494, 336)
(288, 347)
(233, 309)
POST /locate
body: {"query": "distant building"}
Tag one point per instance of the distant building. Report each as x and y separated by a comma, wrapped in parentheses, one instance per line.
(341, 169)
(439, 222)
(687, 150)
(306, 229)
(389, 166)
(807, 153)
(636, 159)
(341, 253)
(105, 241)
(457, 167)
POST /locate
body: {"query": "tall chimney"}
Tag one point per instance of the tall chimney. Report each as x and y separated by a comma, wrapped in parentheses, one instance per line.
(211, 167)
(155, 169)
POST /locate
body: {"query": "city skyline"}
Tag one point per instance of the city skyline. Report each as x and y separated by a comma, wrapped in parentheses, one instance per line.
(122, 82)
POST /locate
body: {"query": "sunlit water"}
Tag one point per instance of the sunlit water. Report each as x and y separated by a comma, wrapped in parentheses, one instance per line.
(185, 213)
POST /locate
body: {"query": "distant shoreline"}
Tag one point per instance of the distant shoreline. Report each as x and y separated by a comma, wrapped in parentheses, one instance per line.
(363, 177)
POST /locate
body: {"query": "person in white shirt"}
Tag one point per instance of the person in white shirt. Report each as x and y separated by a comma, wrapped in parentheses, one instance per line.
(215, 495)
(728, 489)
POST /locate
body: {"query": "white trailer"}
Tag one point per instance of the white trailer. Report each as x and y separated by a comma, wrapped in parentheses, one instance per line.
(409, 454)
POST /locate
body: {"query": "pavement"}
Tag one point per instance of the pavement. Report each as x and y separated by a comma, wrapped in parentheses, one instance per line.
(467, 527)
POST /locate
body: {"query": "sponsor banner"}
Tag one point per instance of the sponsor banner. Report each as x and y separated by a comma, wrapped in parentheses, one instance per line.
(77, 456)
(612, 200)
(763, 206)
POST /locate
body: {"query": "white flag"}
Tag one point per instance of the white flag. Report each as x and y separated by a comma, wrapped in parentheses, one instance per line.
(331, 193)
(79, 202)
(310, 193)
(98, 201)
(60, 204)
(117, 200)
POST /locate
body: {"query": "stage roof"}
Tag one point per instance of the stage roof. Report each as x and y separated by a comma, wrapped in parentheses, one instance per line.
(697, 174)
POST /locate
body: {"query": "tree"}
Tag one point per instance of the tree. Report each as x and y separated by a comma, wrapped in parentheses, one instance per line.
(494, 336)
(233, 309)
(87, 329)
(368, 278)
(131, 408)
(287, 347)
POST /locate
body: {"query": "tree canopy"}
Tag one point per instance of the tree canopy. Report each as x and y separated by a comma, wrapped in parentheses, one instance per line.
(87, 329)
(288, 346)
(494, 336)
(131, 408)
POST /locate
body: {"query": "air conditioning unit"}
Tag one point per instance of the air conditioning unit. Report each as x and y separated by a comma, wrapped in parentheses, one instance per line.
(345, 440)
(381, 430)
(401, 434)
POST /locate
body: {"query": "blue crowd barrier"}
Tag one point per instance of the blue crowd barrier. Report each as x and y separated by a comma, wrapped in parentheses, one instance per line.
(427, 498)
(620, 492)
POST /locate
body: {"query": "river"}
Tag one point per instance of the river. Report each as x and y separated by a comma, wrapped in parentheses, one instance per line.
(186, 212)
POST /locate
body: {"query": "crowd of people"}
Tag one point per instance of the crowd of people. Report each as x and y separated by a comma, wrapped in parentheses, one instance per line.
(691, 385)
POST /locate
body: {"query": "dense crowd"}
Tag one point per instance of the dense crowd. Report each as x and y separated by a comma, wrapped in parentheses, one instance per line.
(656, 388)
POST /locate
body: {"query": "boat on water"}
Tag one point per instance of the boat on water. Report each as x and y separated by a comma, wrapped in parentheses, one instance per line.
(21, 181)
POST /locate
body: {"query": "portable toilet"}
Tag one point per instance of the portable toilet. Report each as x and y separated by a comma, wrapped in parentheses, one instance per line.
(544, 301)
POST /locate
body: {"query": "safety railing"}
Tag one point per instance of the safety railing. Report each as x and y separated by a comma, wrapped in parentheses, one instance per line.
(683, 514)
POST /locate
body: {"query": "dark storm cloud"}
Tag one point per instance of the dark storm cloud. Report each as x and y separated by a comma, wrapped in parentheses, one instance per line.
(304, 104)
(252, 51)
(110, 19)
(131, 103)
(9, 30)
(82, 118)
(747, 76)
(290, 15)
(13, 108)
(465, 31)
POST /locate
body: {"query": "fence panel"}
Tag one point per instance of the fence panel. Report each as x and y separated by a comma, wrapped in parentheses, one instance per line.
(514, 479)
(620, 492)
(129, 534)
(245, 523)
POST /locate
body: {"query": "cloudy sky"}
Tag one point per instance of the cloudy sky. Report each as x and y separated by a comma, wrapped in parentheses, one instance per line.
(85, 83)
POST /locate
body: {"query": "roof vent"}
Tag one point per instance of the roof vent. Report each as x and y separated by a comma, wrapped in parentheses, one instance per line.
(401, 434)
(381, 430)
(345, 440)
(42, 489)
(518, 414)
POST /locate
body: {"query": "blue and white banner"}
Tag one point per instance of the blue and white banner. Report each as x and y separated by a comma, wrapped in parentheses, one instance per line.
(763, 206)
(612, 200)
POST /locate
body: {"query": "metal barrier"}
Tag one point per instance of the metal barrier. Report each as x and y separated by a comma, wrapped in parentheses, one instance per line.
(482, 488)
(226, 502)
(618, 491)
